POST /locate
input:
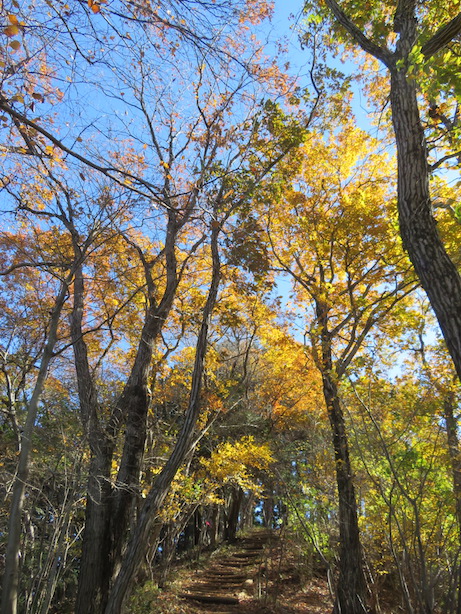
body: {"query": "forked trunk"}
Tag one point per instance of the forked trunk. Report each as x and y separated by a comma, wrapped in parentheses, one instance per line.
(154, 500)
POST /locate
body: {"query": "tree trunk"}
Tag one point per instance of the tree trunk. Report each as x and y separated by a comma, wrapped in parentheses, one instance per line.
(418, 228)
(214, 528)
(109, 509)
(268, 510)
(351, 589)
(95, 571)
(233, 514)
(94, 564)
(247, 511)
(451, 425)
(351, 592)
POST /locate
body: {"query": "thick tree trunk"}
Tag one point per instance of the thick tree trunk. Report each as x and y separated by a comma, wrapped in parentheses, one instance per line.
(351, 588)
(94, 571)
(246, 520)
(434, 267)
(94, 576)
(109, 508)
(214, 528)
(351, 591)
(236, 500)
(436, 271)
(135, 400)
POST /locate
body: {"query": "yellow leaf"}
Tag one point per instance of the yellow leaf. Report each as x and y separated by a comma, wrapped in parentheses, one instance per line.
(13, 20)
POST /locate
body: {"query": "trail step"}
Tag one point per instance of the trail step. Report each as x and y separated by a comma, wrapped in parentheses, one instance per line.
(224, 599)
(229, 576)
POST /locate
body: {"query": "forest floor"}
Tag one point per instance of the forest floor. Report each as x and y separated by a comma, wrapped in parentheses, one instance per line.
(261, 573)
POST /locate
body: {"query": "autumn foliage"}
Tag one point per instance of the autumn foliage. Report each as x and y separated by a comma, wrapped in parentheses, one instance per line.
(216, 297)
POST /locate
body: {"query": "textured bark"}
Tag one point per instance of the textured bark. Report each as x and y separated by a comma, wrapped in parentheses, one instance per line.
(351, 590)
(93, 581)
(418, 228)
(233, 514)
(135, 399)
(109, 508)
(94, 576)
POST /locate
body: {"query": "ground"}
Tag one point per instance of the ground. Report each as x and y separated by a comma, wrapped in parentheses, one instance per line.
(262, 573)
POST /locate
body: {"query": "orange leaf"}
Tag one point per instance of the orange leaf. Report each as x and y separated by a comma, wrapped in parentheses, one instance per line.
(15, 45)
(13, 20)
(11, 30)
(94, 6)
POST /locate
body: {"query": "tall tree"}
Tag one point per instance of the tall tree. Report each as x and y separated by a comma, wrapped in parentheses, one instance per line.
(331, 233)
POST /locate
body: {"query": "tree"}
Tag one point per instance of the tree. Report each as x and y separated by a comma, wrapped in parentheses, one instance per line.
(331, 232)
(180, 151)
(408, 504)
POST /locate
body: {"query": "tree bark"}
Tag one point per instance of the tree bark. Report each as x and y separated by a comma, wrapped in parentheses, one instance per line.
(135, 399)
(94, 575)
(109, 508)
(418, 228)
(233, 514)
(451, 425)
(435, 269)
(351, 591)
(93, 580)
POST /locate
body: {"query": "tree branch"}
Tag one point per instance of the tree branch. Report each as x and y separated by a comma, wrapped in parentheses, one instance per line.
(442, 37)
(381, 53)
(108, 171)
